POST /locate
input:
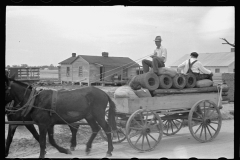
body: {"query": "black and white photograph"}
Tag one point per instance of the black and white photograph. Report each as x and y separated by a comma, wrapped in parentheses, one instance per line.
(119, 82)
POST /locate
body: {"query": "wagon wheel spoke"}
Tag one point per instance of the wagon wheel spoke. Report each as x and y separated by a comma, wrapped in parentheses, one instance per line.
(142, 141)
(168, 127)
(122, 132)
(205, 132)
(212, 127)
(178, 121)
(209, 131)
(134, 134)
(137, 122)
(146, 119)
(201, 132)
(138, 139)
(141, 117)
(148, 141)
(175, 125)
(198, 129)
(172, 126)
(200, 115)
(152, 137)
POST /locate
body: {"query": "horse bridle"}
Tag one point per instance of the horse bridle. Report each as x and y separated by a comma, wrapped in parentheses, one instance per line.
(10, 104)
(9, 88)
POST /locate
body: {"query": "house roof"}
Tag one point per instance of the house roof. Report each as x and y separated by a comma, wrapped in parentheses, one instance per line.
(210, 59)
(106, 61)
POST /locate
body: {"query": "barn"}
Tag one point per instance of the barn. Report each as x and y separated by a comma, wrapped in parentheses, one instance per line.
(222, 62)
(87, 69)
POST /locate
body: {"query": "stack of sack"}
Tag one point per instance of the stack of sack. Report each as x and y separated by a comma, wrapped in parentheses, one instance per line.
(127, 92)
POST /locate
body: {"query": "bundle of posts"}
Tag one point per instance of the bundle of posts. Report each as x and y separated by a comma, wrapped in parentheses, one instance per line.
(164, 92)
(170, 82)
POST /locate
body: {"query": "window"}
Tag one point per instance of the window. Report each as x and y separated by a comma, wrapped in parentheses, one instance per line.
(217, 70)
(68, 72)
(80, 71)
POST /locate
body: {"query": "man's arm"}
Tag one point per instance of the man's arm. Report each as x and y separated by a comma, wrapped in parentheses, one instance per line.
(181, 67)
(203, 69)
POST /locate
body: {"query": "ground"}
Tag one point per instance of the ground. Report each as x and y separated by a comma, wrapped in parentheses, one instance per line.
(24, 144)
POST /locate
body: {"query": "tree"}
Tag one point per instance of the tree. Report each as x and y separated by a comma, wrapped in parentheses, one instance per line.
(51, 67)
(233, 45)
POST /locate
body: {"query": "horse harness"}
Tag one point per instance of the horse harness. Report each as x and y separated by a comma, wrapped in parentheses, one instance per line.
(29, 105)
(31, 100)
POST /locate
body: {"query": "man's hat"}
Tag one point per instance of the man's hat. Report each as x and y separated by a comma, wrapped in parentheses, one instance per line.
(194, 54)
(158, 38)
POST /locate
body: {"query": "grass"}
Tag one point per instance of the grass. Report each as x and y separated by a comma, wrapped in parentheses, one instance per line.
(48, 74)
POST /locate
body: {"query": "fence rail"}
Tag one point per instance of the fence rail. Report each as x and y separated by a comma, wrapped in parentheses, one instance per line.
(31, 122)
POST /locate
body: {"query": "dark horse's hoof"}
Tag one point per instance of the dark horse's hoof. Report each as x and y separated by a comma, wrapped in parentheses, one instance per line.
(72, 148)
(108, 155)
(69, 152)
(88, 150)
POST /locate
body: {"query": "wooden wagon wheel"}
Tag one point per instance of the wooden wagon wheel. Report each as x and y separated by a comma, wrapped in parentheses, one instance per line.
(172, 126)
(119, 135)
(204, 121)
(144, 130)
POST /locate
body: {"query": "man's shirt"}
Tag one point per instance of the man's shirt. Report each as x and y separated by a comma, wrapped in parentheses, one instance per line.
(161, 52)
(197, 67)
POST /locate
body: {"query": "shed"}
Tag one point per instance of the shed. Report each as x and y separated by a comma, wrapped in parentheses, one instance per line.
(96, 69)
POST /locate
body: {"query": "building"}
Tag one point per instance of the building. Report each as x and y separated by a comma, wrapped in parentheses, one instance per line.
(96, 69)
(222, 62)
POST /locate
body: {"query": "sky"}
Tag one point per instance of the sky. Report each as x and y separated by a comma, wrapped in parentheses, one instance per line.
(45, 35)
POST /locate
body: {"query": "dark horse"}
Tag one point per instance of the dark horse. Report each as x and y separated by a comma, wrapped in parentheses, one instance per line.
(71, 106)
(16, 116)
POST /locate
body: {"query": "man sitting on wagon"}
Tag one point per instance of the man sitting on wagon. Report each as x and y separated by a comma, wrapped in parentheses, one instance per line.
(159, 57)
(196, 68)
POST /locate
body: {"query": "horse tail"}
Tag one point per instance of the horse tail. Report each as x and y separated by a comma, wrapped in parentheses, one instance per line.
(112, 114)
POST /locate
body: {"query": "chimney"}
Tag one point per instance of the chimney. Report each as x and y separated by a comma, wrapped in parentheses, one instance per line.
(232, 49)
(105, 54)
(73, 54)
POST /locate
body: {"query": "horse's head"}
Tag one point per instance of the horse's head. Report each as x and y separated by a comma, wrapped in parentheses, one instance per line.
(16, 91)
(7, 89)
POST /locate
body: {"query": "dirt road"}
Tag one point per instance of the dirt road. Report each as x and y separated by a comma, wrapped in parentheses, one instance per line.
(181, 145)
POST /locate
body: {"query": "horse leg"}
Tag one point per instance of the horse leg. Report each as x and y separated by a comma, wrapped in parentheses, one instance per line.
(11, 131)
(42, 140)
(107, 130)
(95, 128)
(74, 129)
(54, 144)
(33, 130)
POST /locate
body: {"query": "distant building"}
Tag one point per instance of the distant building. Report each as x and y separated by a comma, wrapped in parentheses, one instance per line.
(91, 69)
(222, 62)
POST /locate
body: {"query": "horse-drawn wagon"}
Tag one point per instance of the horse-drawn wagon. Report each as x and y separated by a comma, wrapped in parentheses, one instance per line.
(143, 121)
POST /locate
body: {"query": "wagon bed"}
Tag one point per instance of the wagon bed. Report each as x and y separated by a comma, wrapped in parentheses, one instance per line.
(143, 121)
(169, 102)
